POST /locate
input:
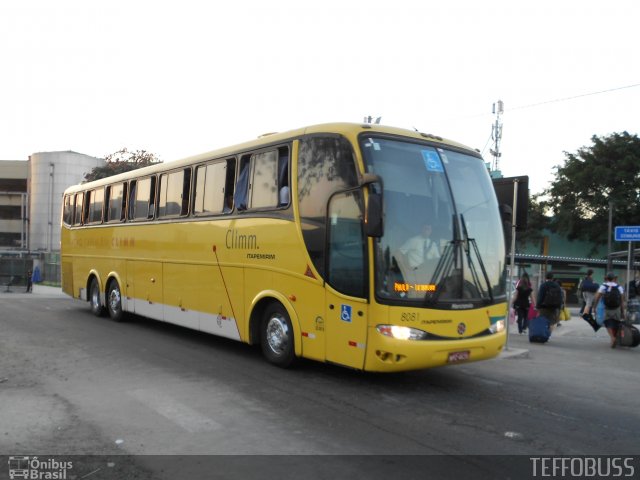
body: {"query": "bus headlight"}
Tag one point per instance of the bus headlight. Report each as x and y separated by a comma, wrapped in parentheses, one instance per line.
(497, 327)
(401, 333)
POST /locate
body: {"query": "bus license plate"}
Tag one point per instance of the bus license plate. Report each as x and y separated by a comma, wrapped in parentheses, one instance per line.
(459, 356)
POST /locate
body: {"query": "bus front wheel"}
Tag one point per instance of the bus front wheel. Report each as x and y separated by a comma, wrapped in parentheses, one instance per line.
(114, 301)
(276, 336)
(94, 298)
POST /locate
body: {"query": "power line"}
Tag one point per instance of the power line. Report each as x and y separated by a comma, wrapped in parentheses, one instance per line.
(564, 99)
(485, 145)
(546, 102)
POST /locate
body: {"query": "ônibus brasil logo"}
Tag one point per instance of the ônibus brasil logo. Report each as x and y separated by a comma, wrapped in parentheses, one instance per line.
(36, 469)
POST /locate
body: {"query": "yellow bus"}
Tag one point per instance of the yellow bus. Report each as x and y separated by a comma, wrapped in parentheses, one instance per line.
(371, 247)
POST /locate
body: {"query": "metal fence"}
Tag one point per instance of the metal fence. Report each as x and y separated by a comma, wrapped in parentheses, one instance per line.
(15, 268)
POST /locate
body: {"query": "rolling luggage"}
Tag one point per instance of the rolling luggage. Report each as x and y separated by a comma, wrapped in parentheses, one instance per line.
(539, 329)
(628, 335)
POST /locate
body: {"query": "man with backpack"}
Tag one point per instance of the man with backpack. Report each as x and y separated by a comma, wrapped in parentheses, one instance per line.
(549, 302)
(612, 296)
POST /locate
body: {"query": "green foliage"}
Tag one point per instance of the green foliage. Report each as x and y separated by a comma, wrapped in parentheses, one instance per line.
(608, 170)
(120, 162)
(537, 222)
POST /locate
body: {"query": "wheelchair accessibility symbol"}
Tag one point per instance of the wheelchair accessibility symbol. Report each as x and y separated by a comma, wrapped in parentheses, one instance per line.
(345, 313)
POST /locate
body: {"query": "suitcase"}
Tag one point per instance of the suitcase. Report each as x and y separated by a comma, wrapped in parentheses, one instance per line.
(539, 329)
(628, 335)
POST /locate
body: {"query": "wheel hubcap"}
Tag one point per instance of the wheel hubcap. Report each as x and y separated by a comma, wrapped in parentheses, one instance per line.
(114, 300)
(95, 298)
(277, 334)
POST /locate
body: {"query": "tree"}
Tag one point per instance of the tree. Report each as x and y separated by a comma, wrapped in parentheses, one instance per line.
(608, 170)
(537, 222)
(120, 162)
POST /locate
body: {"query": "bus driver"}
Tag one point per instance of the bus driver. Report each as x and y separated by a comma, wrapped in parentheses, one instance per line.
(420, 248)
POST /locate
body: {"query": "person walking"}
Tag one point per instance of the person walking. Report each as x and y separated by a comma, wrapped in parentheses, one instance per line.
(588, 289)
(612, 296)
(633, 292)
(550, 300)
(29, 281)
(523, 301)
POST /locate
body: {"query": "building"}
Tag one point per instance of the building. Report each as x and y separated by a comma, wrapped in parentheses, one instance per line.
(13, 204)
(50, 173)
(30, 211)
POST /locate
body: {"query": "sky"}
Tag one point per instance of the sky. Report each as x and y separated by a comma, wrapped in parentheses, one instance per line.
(179, 78)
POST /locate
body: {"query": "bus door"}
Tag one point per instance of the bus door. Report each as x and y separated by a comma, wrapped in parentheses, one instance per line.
(346, 304)
(345, 329)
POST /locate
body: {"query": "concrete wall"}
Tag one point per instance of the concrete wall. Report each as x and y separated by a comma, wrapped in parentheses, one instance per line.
(50, 173)
(13, 202)
(13, 169)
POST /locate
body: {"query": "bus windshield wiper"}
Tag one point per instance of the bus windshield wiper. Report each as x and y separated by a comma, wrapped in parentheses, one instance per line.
(448, 263)
(469, 243)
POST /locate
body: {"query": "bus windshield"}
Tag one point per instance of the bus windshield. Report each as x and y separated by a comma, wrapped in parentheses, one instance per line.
(443, 242)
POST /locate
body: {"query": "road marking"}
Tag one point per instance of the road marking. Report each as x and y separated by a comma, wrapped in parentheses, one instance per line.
(184, 416)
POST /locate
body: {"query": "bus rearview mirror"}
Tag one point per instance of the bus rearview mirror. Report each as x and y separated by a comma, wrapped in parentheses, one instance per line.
(373, 224)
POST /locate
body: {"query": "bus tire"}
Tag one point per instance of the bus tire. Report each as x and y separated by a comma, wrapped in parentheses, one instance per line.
(114, 302)
(276, 336)
(94, 298)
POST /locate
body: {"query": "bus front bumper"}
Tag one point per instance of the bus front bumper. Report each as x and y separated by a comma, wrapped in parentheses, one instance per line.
(385, 354)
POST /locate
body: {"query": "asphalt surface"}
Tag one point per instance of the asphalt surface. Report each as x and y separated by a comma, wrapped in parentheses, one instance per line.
(143, 399)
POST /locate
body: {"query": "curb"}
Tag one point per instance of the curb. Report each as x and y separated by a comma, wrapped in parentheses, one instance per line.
(514, 353)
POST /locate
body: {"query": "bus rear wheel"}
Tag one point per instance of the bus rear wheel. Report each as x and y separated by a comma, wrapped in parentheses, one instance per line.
(114, 302)
(94, 298)
(276, 336)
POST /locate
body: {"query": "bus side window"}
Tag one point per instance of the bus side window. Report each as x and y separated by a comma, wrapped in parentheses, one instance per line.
(199, 200)
(174, 193)
(242, 185)
(95, 202)
(123, 203)
(85, 207)
(346, 266)
(67, 214)
(284, 191)
(115, 201)
(263, 188)
(229, 184)
(152, 198)
(77, 209)
(141, 198)
(186, 189)
(209, 188)
(325, 165)
(162, 196)
(132, 200)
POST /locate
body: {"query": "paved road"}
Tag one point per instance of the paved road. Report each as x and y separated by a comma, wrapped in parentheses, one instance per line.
(71, 383)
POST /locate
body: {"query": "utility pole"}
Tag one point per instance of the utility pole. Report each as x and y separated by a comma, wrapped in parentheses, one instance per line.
(610, 232)
(496, 136)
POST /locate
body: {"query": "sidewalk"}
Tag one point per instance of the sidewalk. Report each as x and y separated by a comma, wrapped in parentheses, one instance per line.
(576, 327)
(40, 291)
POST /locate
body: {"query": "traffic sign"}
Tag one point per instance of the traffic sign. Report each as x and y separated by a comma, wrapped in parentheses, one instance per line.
(627, 234)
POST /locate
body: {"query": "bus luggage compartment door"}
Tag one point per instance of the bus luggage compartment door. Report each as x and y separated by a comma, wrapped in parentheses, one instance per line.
(147, 288)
